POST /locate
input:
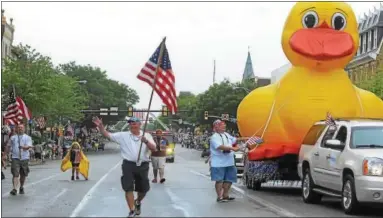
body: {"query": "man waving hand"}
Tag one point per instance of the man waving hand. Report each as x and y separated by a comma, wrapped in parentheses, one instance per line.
(134, 175)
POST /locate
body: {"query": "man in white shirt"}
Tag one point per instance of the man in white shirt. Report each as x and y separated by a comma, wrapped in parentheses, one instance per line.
(19, 144)
(134, 175)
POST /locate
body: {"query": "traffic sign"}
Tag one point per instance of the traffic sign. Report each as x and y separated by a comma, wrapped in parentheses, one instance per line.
(225, 116)
(115, 109)
(105, 111)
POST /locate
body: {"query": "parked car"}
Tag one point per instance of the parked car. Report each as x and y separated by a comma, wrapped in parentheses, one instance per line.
(344, 161)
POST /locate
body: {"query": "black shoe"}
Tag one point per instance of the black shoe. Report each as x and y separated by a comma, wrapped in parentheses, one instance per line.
(229, 198)
(21, 191)
(13, 192)
(132, 214)
(137, 207)
(72, 178)
(77, 178)
(162, 180)
(220, 200)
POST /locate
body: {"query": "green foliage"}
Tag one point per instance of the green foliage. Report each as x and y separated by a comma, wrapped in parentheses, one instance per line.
(374, 84)
(55, 91)
(43, 88)
(220, 98)
(101, 91)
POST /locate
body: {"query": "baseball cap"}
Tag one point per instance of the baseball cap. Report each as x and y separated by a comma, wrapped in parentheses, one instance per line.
(134, 120)
(217, 122)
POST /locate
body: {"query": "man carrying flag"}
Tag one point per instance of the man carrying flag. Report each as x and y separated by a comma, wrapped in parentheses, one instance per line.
(135, 144)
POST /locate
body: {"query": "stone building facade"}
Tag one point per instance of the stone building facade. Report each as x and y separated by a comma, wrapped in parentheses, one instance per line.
(8, 36)
(366, 61)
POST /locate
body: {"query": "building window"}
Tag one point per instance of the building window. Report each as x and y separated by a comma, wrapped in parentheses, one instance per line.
(369, 41)
(5, 50)
(373, 69)
(376, 38)
(364, 43)
(359, 48)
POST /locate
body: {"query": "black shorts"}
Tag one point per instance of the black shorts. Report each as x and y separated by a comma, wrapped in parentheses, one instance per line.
(135, 178)
(38, 156)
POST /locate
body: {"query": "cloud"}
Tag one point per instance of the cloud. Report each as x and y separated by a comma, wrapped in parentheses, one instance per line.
(120, 37)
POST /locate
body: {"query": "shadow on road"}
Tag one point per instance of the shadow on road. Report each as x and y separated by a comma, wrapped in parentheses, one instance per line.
(327, 202)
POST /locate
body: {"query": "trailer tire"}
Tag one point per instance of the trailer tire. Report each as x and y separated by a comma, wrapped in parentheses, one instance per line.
(248, 183)
(257, 185)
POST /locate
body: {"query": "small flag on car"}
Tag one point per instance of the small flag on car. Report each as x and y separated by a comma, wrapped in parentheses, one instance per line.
(330, 120)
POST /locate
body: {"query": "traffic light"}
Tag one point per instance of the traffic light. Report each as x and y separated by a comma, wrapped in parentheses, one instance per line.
(165, 111)
(206, 115)
(130, 111)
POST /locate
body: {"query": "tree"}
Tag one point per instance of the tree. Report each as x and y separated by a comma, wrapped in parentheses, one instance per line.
(43, 88)
(224, 97)
(101, 91)
(374, 84)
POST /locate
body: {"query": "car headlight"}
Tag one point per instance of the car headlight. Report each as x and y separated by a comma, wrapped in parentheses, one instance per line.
(169, 150)
(373, 166)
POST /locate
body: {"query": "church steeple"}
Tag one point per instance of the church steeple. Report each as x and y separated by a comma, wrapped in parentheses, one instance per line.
(248, 73)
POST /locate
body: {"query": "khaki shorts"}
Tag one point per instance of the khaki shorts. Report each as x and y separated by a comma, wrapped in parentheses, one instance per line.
(20, 167)
(158, 162)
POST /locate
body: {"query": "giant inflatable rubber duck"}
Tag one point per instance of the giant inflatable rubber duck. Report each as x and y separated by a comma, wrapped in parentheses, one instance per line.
(319, 39)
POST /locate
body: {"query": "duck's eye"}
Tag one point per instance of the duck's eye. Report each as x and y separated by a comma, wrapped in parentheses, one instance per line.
(310, 19)
(338, 21)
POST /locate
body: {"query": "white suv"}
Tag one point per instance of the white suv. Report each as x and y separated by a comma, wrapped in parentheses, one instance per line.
(343, 161)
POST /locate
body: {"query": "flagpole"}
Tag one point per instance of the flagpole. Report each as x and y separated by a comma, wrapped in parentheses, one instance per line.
(151, 95)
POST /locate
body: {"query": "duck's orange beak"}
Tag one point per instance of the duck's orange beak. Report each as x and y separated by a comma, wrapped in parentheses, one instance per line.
(322, 43)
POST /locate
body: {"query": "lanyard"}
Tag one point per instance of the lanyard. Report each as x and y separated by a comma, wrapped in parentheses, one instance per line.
(18, 136)
(223, 142)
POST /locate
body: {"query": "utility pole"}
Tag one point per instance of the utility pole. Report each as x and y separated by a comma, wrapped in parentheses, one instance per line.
(214, 73)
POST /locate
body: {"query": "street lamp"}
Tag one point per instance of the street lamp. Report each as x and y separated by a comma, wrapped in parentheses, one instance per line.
(243, 88)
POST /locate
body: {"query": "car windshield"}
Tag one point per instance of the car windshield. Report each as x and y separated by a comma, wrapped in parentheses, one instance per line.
(367, 137)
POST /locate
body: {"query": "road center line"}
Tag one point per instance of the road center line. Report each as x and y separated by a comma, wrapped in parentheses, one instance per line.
(35, 183)
(88, 195)
(52, 201)
(271, 206)
(176, 203)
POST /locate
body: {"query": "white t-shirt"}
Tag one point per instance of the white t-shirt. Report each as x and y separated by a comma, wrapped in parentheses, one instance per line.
(130, 145)
(25, 140)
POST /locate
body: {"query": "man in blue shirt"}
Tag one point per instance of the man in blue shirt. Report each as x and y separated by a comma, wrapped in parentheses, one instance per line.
(223, 170)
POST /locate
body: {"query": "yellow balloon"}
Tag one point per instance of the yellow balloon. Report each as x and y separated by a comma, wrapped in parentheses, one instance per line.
(319, 39)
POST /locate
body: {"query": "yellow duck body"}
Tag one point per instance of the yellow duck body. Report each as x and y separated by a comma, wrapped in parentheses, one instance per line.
(283, 113)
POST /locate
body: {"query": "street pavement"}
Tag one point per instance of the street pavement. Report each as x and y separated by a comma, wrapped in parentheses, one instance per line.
(188, 192)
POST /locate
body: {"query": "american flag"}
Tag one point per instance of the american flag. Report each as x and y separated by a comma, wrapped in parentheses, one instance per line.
(165, 82)
(16, 110)
(254, 140)
(139, 115)
(329, 120)
(41, 122)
